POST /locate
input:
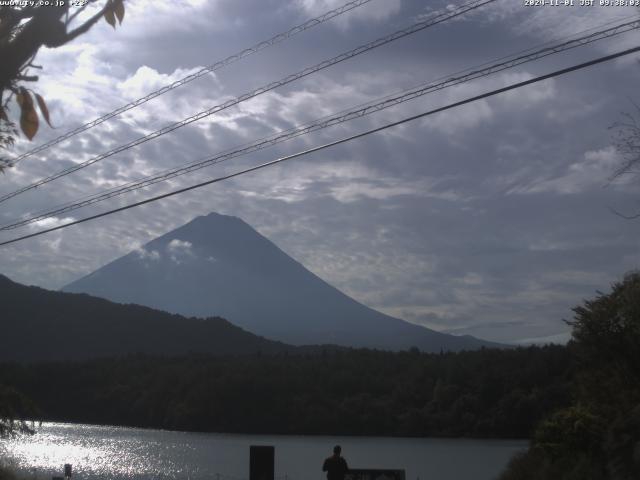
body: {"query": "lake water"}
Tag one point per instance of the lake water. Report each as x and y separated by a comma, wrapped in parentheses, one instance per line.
(131, 453)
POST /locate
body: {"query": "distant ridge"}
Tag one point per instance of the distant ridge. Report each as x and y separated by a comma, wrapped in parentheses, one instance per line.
(42, 325)
(219, 265)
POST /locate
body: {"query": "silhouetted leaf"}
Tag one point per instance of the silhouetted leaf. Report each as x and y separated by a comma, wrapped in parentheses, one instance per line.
(20, 97)
(43, 109)
(118, 8)
(109, 16)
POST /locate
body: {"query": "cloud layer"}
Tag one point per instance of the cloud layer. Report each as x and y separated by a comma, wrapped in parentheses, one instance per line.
(492, 219)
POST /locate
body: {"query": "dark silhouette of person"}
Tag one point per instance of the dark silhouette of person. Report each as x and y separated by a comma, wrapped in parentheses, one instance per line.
(335, 466)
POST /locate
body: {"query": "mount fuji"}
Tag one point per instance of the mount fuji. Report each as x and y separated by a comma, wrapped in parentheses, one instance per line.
(218, 265)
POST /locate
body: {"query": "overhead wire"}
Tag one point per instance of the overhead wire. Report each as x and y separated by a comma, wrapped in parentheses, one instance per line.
(334, 143)
(280, 37)
(435, 19)
(330, 120)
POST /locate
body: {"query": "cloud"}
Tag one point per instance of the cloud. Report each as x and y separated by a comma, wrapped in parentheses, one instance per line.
(376, 11)
(147, 79)
(559, 338)
(51, 222)
(176, 245)
(488, 220)
(592, 171)
(548, 22)
(346, 182)
(147, 255)
(529, 96)
(179, 250)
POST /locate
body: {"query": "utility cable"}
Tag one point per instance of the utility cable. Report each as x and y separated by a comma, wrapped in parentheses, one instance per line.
(200, 73)
(325, 122)
(431, 21)
(334, 143)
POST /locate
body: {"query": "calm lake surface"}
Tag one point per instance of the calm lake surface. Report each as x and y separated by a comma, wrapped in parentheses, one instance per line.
(131, 453)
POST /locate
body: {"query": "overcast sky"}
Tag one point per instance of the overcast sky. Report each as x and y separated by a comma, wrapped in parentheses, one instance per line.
(492, 219)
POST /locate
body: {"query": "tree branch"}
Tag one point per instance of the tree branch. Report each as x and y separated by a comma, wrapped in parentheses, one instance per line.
(85, 26)
(27, 78)
(79, 11)
(43, 28)
(626, 217)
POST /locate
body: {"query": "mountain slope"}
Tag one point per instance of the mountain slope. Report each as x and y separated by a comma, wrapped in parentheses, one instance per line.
(41, 325)
(219, 265)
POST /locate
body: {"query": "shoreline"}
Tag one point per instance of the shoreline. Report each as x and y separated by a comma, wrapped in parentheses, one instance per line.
(271, 434)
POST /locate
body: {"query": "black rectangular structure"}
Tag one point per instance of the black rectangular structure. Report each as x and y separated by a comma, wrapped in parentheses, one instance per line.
(261, 462)
(374, 474)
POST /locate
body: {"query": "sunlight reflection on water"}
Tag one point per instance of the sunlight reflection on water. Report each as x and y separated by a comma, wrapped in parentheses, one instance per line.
(98, 452)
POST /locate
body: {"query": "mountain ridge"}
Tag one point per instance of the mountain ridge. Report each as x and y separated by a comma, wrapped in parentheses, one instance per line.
(219, 265)
(47, 325)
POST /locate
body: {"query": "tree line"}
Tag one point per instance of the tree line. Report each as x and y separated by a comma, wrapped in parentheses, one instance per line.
(485, 393)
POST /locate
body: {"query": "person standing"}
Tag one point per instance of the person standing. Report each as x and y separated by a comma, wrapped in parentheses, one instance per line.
(335, 466)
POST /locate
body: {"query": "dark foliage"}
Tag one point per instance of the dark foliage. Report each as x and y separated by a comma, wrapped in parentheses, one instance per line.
(15, 410)
(6, 473)
(598, 436)
(486, 393)
(24, 29)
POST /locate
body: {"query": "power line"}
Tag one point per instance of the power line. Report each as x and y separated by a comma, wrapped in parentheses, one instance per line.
(344, 115)
(200, 73)
(431, 21)
(334, 143)
(328, 121)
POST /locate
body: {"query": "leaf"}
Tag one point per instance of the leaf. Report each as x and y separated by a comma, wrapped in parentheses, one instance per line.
(29, 123)
(28, 115)
(20, 97)
(109, 15)
(118, 9)
(23, 98)
(43, 109)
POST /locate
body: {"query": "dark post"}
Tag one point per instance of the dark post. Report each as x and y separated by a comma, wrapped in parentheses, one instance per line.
(261, 462)
(67, 471)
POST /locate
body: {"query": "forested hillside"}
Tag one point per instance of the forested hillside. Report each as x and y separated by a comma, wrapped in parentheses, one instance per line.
(44, 326)
(486, 393)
